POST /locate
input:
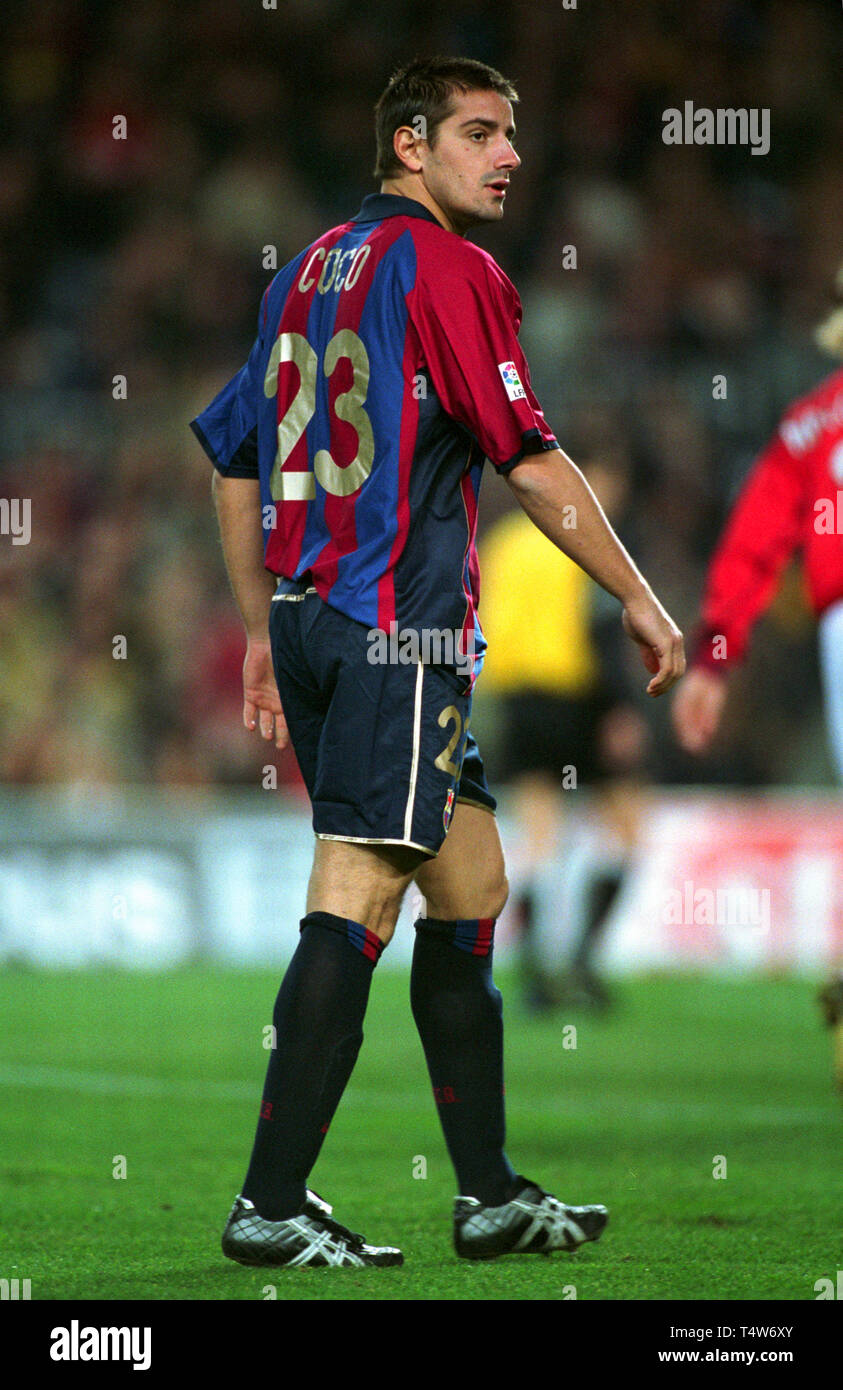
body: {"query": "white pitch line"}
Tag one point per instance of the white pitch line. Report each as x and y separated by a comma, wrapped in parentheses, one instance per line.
(128, 1084)
(104, 1083)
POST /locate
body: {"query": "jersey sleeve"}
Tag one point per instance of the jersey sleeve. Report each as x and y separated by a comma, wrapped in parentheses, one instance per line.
(467, 317)
(761, 535)
(227, 429)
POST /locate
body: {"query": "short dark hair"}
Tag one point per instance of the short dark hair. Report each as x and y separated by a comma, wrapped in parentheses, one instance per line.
(426, 88)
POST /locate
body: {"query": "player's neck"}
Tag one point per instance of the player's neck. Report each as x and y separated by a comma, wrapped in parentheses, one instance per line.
(410, 188)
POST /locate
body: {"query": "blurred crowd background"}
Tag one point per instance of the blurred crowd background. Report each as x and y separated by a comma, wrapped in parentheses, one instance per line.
(249, 128)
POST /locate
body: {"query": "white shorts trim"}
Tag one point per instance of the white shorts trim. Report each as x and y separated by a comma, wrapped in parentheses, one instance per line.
(480, 805)
(364, 840)
(414, 766)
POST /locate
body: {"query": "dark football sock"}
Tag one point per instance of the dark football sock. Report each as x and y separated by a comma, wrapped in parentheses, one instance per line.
(318, 1020)
(459, 1015)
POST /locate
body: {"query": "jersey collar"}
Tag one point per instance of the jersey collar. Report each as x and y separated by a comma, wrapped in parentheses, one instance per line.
(379, 205)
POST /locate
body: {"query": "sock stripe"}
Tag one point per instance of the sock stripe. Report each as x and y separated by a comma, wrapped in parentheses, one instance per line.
(485, 934)
(365, 940)
(473, 935)
(368, 943)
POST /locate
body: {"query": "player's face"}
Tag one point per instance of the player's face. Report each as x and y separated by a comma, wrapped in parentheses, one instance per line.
(467, 171)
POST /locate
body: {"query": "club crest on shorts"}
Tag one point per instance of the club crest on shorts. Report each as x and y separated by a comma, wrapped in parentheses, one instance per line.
(449, 807)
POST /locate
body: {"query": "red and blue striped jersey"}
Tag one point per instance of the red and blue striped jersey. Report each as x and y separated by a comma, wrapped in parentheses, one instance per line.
(386, 370)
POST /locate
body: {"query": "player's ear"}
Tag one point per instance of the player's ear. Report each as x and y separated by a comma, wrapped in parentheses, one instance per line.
(406, 142)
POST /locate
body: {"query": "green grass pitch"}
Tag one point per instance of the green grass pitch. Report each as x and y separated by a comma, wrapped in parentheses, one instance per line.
(688, 1076)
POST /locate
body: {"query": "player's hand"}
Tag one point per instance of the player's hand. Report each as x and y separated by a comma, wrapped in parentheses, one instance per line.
(698, 708)
(661, 643)
(261, 702)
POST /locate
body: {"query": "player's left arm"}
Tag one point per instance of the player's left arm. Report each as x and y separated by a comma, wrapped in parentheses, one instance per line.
(237, 502)
(467, 318)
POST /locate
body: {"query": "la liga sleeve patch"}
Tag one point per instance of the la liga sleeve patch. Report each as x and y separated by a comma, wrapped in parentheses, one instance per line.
(512, 381)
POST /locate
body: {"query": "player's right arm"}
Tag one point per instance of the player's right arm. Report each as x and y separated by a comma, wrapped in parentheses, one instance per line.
(227, 431)
(237, 502)
(557, 499)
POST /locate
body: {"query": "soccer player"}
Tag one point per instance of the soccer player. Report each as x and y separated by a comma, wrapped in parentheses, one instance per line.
(348, 453)
(792, 500)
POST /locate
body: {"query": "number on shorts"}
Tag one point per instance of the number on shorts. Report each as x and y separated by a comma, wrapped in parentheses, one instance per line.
(445, 761)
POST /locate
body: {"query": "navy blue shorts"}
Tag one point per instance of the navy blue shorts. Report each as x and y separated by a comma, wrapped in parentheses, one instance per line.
(384, 749)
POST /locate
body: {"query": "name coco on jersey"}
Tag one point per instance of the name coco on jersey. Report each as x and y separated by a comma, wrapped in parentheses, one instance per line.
(512, 381)
(333, 270)
(75, 1343)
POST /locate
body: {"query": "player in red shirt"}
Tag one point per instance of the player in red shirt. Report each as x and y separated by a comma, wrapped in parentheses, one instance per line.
(791, 501)
(387, 366)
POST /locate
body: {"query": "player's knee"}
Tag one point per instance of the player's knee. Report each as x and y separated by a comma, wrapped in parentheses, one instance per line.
(498, 895)
(383, 915)
(491, 900)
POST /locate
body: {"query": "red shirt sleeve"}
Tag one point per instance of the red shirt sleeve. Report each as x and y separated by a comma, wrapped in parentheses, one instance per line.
(467, 315)
(761, 535)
